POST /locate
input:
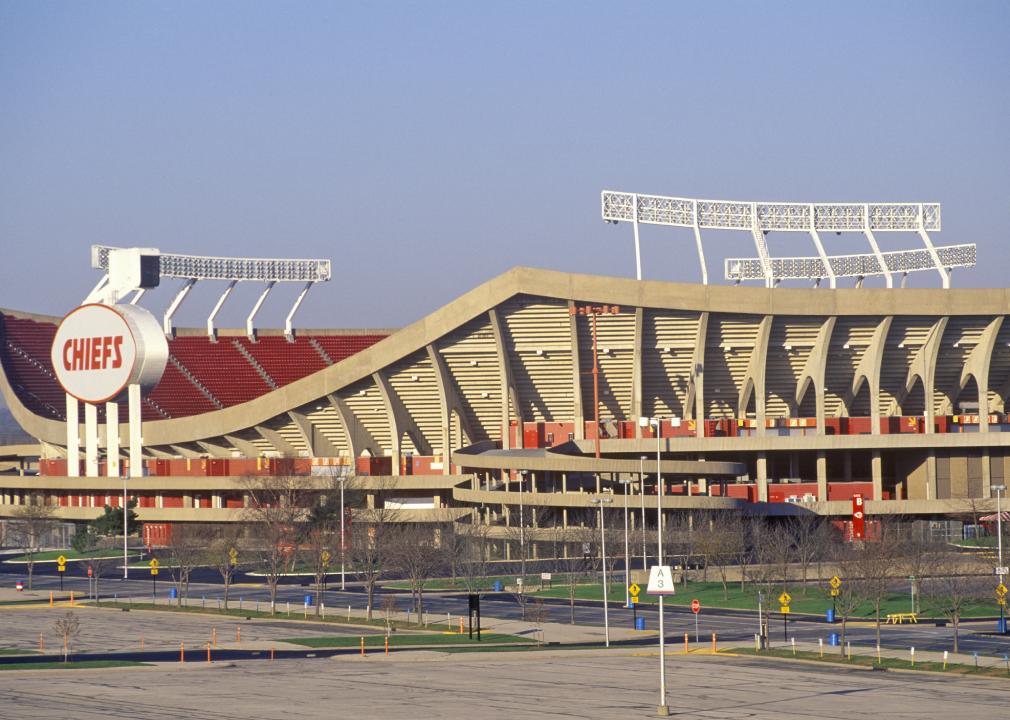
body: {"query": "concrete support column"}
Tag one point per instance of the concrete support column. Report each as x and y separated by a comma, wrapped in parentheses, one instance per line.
(876, 473)
(762, 477)
(931, 475)
(90, 440)
(187, 500)
(822, 476)
(794, 465)
(847, 465)
(986, 474)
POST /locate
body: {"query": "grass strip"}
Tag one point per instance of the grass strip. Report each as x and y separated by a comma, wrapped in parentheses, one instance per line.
(73, 665)
(397, 640)
(17, 651)
(886, 663)
(333, 618)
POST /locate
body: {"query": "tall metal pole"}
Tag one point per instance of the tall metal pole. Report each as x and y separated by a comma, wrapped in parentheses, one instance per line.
(343, 568)
(603, 556)
(999, 551)
(522, 530)
(627, 555)
(125, 528)
(663, 707)
(641, 484)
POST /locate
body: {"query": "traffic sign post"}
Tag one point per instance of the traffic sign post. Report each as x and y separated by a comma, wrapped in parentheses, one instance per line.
(696, 609)
(154, 578)
(61, 567)
(633, 591)
(836, 585)
(784, 600)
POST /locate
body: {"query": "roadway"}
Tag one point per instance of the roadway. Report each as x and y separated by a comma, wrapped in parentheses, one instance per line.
(732, 627)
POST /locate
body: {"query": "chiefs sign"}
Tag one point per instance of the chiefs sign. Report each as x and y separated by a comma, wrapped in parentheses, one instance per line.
(99, 350)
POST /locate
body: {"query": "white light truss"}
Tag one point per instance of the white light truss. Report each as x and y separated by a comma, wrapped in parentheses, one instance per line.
(759, 218)
(812, 268)
(193, 268)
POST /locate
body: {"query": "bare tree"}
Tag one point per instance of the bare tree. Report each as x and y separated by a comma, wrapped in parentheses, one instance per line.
(414, 552)
(807, 534)
(224, 554)
(187, 546)
(68, 628)
(96, 567)
(474, 562)
(950, 591)
(31, 525)
(539, 614)
(722, 542)
(869, 567)
(369, 548)
(277, 511)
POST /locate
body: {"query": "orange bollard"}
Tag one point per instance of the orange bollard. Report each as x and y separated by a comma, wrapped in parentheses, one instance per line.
(213, 636)
(182, 652)
(50, 598)
(362, 646)
(71, 598)
(238, 633)
(715, 647)
(686, 646)
(387, 644)
(271, 653)
(461, 626)
(42, 643)
(208, 652)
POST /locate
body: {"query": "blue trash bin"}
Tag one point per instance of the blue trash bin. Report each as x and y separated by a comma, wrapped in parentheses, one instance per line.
(173, 593)
(498, 587)
(834, 640)
(640, 623)
(308, 601)
(830, 615)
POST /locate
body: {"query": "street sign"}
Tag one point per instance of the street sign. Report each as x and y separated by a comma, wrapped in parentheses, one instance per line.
(1001, 601)
(634, 589)
(61, 560)
(546, 577)
(660, 581)
(61, 568)
(325, 558)
(1001, 590)
(1004, 570)
(634, 599)
(90, 571)
(835, 582)
(834, 592)
(154, 566)
(785, 598)
(233, 557)
(695, 606)
(784, 610)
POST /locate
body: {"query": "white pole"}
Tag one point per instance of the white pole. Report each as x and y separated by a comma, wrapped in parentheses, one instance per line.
(663, 708)
(343, 573)
(126, 521)
(999, 551)
(641, 483)
(627, 554)
(522, 530)
(603, 554)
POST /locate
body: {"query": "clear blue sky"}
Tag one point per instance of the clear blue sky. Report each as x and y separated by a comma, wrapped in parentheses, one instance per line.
(427, 147)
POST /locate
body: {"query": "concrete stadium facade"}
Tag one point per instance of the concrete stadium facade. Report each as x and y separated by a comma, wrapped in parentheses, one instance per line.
(786, 400)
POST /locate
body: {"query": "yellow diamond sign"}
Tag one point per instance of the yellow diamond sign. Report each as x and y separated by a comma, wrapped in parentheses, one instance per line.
(634, 589)
(785, 598)
(835, 582)
(1001, 589)
(61, 560)
(154, 563)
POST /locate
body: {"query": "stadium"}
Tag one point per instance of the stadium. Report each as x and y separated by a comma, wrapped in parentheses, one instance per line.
(548, 390)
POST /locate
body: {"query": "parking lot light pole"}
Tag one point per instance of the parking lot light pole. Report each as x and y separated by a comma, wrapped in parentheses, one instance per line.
(1000, 489)
(641, 487)
(626, 482)
(603, 555)
(662, 708)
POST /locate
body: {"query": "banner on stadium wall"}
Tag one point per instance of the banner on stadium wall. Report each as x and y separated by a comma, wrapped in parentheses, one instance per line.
(858, 517)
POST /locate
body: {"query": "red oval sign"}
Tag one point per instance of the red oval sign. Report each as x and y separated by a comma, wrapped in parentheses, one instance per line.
(695, 606)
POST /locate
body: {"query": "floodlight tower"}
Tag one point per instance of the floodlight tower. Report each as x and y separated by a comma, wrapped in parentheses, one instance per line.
(760, 218)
